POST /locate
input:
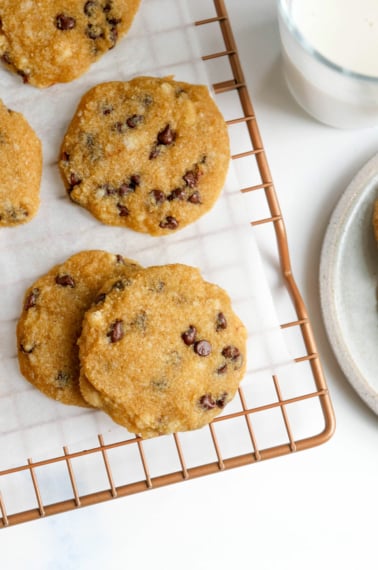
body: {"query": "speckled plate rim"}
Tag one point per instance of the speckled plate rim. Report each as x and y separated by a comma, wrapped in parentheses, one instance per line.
(362, 188)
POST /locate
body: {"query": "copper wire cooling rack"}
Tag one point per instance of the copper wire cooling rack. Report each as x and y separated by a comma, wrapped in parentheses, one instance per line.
(307, 359)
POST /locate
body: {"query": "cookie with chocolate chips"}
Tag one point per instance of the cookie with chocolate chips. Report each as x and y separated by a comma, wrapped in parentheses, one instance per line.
(164, 353)
(20, 168)
(55, 41)
(51, 319)
(150, 154)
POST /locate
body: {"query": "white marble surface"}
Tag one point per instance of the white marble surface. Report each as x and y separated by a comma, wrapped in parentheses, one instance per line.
(315, 509)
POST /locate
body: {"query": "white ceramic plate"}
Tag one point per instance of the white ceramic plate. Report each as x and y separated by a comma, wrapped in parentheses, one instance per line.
(349, 284)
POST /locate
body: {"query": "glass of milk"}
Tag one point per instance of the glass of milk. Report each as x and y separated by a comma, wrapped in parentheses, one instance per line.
(330, 55)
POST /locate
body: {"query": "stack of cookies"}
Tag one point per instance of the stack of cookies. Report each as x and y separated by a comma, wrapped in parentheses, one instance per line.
(159, 349)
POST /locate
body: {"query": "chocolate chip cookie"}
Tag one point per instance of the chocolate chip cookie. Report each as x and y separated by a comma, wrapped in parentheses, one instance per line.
(50, 323)
(163, 353)
(55, 41)
(150, 154)
(20, 168)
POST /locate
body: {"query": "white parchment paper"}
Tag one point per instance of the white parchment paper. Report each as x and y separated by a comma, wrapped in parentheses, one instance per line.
(221, 244)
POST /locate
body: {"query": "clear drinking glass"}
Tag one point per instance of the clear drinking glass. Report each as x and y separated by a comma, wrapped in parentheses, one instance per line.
(332, 94)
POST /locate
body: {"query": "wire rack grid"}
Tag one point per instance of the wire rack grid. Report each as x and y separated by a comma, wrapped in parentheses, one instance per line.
(115, 482)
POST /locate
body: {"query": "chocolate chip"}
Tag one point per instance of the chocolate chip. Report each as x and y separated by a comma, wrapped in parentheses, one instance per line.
(221, 401)
(107, 7)
(74, 179)
(125, 189)
(166, 136)
(134, 121)
(114, 21)
(64, 22)
(65, 281)
(191, 178)
(231, 352)
(120, 284)
(122, 210)
(222, 369)
(62, 378)
(202, 348)
(189, 336)
(134, 180)
(235, 356)
(207, 402)
(6, 58)
(221, 322)
(94, 32)
(157, 196)
(25, 76)
(115, 332)
(100, 298)
(179, 91)
(109, 190)
(195, 198)
(119, 127)
(119, 259)
(31, 299)
(107, 109)
(65, 157)
(90, 8)
(154, 153)
(169, 223)
(177, 194)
